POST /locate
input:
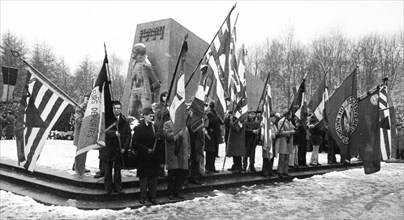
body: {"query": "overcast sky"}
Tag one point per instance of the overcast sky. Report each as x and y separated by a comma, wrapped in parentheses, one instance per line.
(76, 29)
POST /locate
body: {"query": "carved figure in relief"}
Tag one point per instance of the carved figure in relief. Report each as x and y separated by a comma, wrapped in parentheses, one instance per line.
(145, 85)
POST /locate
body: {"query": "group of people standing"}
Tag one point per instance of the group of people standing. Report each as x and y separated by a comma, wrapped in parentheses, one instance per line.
(189, 154)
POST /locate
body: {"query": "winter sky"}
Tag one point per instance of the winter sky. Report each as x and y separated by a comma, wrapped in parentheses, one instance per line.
(78, 29)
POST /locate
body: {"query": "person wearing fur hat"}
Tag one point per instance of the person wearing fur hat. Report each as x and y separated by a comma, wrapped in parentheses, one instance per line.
(144, 142)
(145, 84)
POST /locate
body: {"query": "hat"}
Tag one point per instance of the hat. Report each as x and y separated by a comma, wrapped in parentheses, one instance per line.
(139, 48)
(147, 111)
(272, 115)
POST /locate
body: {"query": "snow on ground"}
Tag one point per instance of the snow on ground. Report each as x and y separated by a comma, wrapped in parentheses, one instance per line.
(347, 194)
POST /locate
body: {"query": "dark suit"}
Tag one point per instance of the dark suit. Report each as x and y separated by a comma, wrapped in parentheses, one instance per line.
(112, 155)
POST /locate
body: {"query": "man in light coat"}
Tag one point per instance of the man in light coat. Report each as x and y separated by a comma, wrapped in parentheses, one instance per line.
(178, 149)
(284, 143)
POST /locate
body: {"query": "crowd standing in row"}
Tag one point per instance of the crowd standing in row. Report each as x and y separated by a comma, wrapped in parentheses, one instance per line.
(186, 156)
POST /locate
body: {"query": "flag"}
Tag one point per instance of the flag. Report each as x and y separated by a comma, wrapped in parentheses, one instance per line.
(342, 113)
(177, 99)
(320, 97)
(298, 106)
(9, 80)
(41, 107)
(385, 123)
(198, 105)
(266, 129)
(240, 90)
(97, 117)
(365, 140)
(217, 58)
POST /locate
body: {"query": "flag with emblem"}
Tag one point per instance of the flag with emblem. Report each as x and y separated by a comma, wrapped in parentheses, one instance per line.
(41, 106)
(342, 114)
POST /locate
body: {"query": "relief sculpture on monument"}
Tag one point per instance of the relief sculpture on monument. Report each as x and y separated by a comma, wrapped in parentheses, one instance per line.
(145, 85)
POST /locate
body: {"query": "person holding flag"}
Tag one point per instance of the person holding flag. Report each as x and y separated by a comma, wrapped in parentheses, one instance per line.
(117, 140)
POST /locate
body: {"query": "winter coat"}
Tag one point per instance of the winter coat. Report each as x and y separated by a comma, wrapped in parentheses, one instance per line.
(284, 144)
(214, 132)
(266, 151)
(236, 147)
(315, 134)
(143, 139)
(400, 139)
(250, 137)
(112, 149)
(178, 147)
(10, 125)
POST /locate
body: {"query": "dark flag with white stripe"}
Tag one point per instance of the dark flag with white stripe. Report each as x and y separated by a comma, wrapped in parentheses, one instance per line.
(41, 106)
(9, 81)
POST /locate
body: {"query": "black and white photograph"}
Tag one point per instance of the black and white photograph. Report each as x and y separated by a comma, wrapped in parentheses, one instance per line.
(202, 109)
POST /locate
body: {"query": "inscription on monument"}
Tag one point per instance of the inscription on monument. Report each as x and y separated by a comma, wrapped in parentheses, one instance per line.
(152, 33)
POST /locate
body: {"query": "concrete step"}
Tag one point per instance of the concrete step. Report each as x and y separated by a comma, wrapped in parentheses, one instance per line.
(52, 187)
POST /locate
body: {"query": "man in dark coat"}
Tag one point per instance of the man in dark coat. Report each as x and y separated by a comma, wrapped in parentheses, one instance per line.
(212, 139)
(144, 142)
(161, 116)
(251, 136)
(236, 143)
(117, 140)
(10, 125)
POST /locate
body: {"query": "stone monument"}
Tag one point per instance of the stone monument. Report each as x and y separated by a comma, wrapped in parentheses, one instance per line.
(152, 63)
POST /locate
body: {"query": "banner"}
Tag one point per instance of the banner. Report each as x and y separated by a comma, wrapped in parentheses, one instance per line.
(97, 117)
(9, 81)
(365, 140)
(342, 114)
(40, 108)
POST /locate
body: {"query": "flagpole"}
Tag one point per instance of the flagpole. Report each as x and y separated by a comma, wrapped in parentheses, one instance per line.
(207, 49)
(176, 68)
(51, 84)
(263, 91)
(108, 72)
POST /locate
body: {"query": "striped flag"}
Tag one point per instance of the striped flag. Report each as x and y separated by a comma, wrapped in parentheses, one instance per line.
(198, 104)
(385, 123)
(177, 106)
(9, 81)
(41, 106)
(266, 129)
(97, 117)
(241, 94)
(299, 102)
(320, 97)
